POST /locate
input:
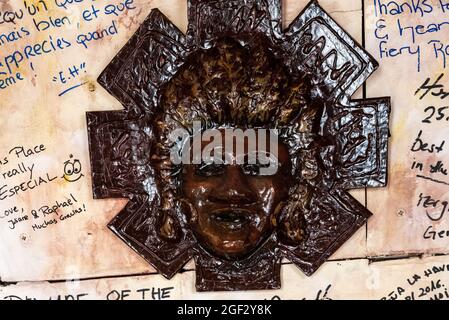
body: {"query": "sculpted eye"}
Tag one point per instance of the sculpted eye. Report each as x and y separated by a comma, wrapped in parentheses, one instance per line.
(209, 170)
(254, 169)
(251, 169)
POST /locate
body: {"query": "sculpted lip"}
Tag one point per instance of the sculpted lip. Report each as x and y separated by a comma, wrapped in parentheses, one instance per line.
(231, 219)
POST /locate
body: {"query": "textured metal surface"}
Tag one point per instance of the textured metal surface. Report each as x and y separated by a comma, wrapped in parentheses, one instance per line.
(305, 77)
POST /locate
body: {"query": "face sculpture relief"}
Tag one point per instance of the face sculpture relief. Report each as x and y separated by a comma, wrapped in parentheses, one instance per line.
(237, 71)
(232, 209)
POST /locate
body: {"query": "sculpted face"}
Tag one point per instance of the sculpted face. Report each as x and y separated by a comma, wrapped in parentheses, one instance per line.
(232, 208)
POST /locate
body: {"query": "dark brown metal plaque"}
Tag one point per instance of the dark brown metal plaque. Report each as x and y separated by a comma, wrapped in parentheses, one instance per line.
(236, 68)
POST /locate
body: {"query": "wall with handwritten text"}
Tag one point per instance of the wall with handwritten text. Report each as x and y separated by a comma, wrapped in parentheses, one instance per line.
(51, 53)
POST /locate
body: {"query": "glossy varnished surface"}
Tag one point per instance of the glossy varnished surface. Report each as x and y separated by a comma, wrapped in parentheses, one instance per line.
(299, 82)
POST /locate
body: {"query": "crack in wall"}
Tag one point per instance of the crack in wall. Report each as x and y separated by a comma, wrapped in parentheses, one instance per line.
(371, 260)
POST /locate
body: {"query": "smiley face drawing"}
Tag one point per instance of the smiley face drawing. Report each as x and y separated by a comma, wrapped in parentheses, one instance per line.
(72, 170)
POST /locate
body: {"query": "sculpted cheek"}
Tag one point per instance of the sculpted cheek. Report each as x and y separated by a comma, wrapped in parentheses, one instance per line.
(267, 197)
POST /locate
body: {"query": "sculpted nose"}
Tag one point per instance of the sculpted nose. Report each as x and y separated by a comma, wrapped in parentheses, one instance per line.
(234, 189)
